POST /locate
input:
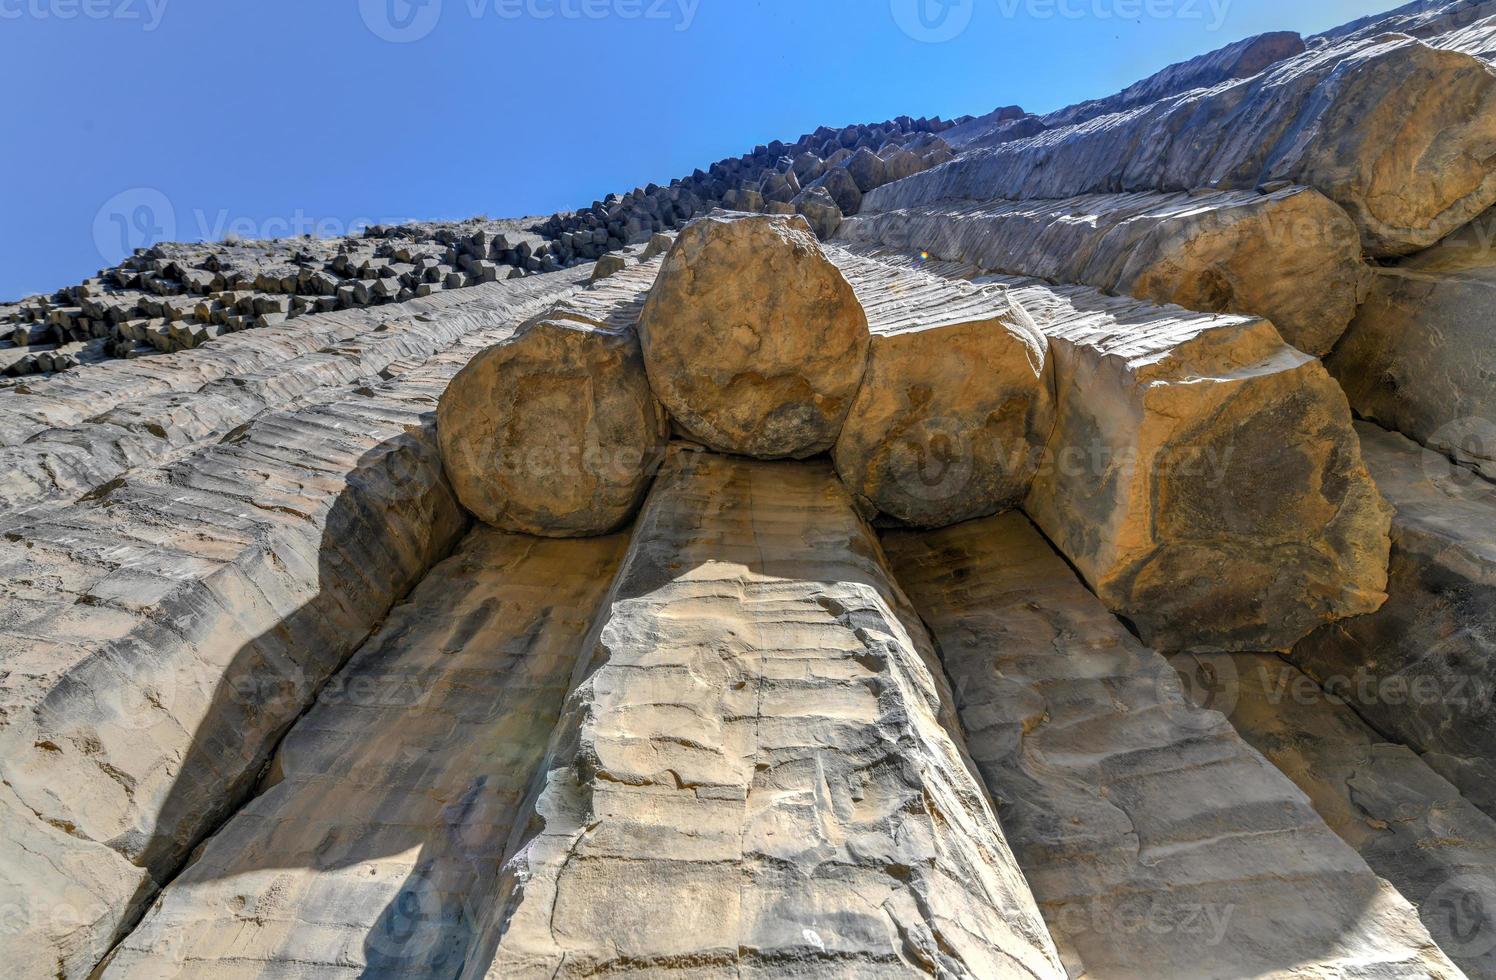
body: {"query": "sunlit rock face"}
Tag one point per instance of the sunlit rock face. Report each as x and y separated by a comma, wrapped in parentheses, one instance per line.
(754, 340)
(756, 771)
(957, 401)
(1292, 257)
(923, 548)
(556, 432)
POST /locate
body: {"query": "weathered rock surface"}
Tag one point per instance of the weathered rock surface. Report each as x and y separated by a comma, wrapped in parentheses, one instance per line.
(753, 339)
(1477, 39)
(957, 403)
(1157, 843)
(62, 464)
(1425, 19)
(1241, 59)
(1422, 670)
(608, 265)
(820, 210)
(178, 296)
(1394, 131)
(1291, 256)
(1202, 475)
(555, 432)
(1413, 828)
(752, 776)
(1419, 357)
(133, 619)
(378, 835)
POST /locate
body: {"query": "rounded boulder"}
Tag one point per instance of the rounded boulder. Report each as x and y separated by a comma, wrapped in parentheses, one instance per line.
(753, 339)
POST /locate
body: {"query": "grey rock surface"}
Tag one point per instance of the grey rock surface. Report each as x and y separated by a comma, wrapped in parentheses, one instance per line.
(1396, 132)
(752, 775)
(1155, 840)
(1413, 828)
(1240, 59)
(1292, 256)
(375, 839)
(164, 633)
(1419, 357)
(1422, 670)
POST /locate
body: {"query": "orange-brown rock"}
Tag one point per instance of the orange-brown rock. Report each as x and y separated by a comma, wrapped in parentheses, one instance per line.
(957, 402)
(753, 339)
(1292, 256)
(556, 432)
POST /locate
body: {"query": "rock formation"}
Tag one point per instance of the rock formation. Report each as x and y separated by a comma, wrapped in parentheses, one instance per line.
(957, 402)
(515, 598)
(1423, 668)
(166, 630)
(1124, 802)
(1291, 256)
(427, 748)
(556, 432)
(1419, 358)
(1413, 828)
(1242, 59)
(754, 771)
(1203, 476)
(1396, 132)
(786, 337)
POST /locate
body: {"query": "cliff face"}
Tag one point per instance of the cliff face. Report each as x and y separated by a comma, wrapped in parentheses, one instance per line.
(1008, 547)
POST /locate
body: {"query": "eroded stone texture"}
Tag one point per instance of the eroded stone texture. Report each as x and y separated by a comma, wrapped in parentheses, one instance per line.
(1398, 133)
(1420, 358)
(752, 777)
(1425, 19)
(1292, 256)
(131, 616)
(379, 832)
(753, 339)
(1477, 38)
(555, 431)
(1412, 827)
(1423, 669)
(62, 464)
(1157, 843)
(1240, 59)
(1203, 475)
(957, 402)
(76, 397)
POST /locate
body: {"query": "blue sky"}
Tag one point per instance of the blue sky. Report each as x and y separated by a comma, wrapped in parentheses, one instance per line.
(192, 118)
